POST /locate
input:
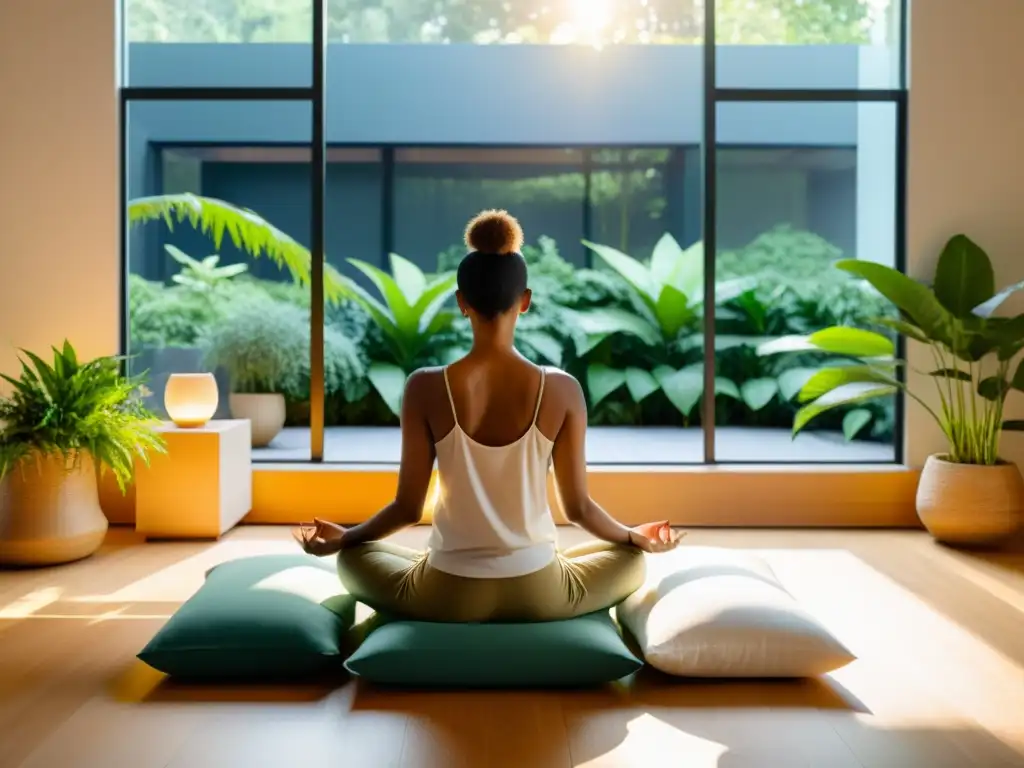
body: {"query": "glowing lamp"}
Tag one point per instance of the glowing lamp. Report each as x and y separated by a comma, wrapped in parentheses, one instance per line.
(190, 399)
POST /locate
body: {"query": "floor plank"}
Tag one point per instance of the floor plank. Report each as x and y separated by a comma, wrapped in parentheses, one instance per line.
(939, 679)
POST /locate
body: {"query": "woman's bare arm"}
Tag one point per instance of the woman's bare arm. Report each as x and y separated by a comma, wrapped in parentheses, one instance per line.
(413, 474)
(570, 464)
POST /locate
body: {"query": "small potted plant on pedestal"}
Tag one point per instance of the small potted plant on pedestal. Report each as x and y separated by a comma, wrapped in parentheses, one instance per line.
(968, 494)
(61, 424)
(262, 346)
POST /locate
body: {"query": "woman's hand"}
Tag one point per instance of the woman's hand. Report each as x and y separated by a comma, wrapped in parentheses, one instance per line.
(655, 537)
(320, 537)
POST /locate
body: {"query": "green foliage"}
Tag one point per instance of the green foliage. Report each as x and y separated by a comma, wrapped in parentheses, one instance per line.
(262, 347)
(68, 408)
(164, 316)
(247, 230)
(496, 22)
(410, 314)
(971, 351)
(202, 275)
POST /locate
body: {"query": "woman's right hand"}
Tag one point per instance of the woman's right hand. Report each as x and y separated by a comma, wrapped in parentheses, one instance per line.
(655, 537)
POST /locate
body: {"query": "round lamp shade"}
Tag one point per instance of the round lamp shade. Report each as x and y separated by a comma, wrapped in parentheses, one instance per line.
(190, 399)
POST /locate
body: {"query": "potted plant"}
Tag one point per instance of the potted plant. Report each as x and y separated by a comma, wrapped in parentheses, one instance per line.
(261, 347)
(969, 494)
(60, 425)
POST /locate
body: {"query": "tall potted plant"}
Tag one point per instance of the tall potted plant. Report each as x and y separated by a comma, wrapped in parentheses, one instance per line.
(969, 494)
(61, 424)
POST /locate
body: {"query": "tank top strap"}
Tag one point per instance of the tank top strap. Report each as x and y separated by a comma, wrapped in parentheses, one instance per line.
(540, 396)
(451, 400)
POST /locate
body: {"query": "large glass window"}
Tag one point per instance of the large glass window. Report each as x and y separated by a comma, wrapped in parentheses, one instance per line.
(664, 206)
(213, 285)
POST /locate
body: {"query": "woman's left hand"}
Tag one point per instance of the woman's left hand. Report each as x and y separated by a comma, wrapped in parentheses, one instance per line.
(320, 537)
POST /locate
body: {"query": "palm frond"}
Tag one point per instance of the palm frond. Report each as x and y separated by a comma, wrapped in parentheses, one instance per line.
(247, 230)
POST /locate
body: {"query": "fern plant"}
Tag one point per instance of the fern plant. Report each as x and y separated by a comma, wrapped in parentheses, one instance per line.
(68, 408)
(246, 229)
(202, 275)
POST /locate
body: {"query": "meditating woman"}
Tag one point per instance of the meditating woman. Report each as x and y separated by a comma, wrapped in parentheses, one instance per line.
(495, 423)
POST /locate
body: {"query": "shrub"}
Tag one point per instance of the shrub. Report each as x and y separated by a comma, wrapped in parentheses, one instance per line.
(167, 316)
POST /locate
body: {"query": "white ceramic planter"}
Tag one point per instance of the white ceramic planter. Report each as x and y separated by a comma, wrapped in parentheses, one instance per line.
(970, 504)
(265, 412)
(50, 512)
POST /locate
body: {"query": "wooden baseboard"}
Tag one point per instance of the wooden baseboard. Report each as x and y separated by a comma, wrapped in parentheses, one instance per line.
(719, 496)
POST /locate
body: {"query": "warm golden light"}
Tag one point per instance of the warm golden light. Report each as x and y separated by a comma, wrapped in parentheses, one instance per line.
(587, 23)
(190, 399)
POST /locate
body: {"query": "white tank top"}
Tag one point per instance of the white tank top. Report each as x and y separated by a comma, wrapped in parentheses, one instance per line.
(492, 518)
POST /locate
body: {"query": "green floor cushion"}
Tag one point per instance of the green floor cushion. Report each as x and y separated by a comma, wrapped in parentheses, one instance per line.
(269, 616)
(585, 651)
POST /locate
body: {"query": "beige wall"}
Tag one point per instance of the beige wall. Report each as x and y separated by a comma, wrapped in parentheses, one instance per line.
(58, 176)
(966, 160)
(58, 163)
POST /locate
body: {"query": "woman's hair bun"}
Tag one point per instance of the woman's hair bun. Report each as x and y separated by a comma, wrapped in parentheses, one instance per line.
(495, 232)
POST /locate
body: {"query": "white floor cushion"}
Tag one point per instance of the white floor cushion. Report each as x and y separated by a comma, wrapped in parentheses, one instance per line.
(708, 612)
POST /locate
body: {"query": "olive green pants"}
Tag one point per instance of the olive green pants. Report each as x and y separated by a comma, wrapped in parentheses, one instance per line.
(399, 581)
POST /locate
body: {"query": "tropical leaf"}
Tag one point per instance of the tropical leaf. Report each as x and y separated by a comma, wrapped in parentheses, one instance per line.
(673, 311)
(910, 296)
(544, 344)
(605, 321)
(1013, 425)
(602, 381)
(988, 308)
(854, 422)
(389, 381)
(409, 279)
(683, 388)
(902, 326)
(828, 379)
(993, 388)
(848, 394)
(786, 344)
(963, 277)
(793, 380)
(757, 393)
(852, 341)
(247, 231)
(630, 270)
(640, 383)
(951, 373)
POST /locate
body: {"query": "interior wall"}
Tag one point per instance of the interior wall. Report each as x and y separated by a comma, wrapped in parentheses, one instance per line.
(966, 169)
(58, 177)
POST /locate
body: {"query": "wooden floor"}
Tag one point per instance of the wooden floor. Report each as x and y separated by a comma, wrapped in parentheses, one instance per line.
(939, 681)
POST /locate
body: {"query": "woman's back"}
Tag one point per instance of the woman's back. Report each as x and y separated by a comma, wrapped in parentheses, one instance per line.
(491, 516)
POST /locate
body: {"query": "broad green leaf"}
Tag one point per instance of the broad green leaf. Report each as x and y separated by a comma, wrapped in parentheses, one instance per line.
(848, 394)
(829, 379)
(545, 345)
(389, 381)
(585, 344)
(409, 278)
(688, 274)
(631, 270)
(661, 372)
(665, 259)
(602, 381)
(951, 373)
(683, 388)
(988, 308)
(854, 422)
(993, 388)
(852, 341)
(429, 310)
(725, 342)
(757, 393)
(910, 296)
(785, 344)
(673, 311)
(963, 277)
(1017, 382)
(729, 290)
(441, 286)
(640, 383)
(793, 380)
(405, 318)
(727, 387)
(1013, 425)
(610, 320)
(902, 326)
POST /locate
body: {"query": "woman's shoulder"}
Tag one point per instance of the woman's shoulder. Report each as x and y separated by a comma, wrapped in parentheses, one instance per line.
(561, 383)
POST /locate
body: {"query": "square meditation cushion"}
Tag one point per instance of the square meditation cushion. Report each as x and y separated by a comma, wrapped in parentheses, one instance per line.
(269, 616)
(709, 612)
(556, 654)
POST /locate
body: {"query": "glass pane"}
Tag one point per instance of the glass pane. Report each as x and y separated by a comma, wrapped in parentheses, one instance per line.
(810, 44)
(529, 22)
(196, 43)
(800, 186)
(194, 305)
